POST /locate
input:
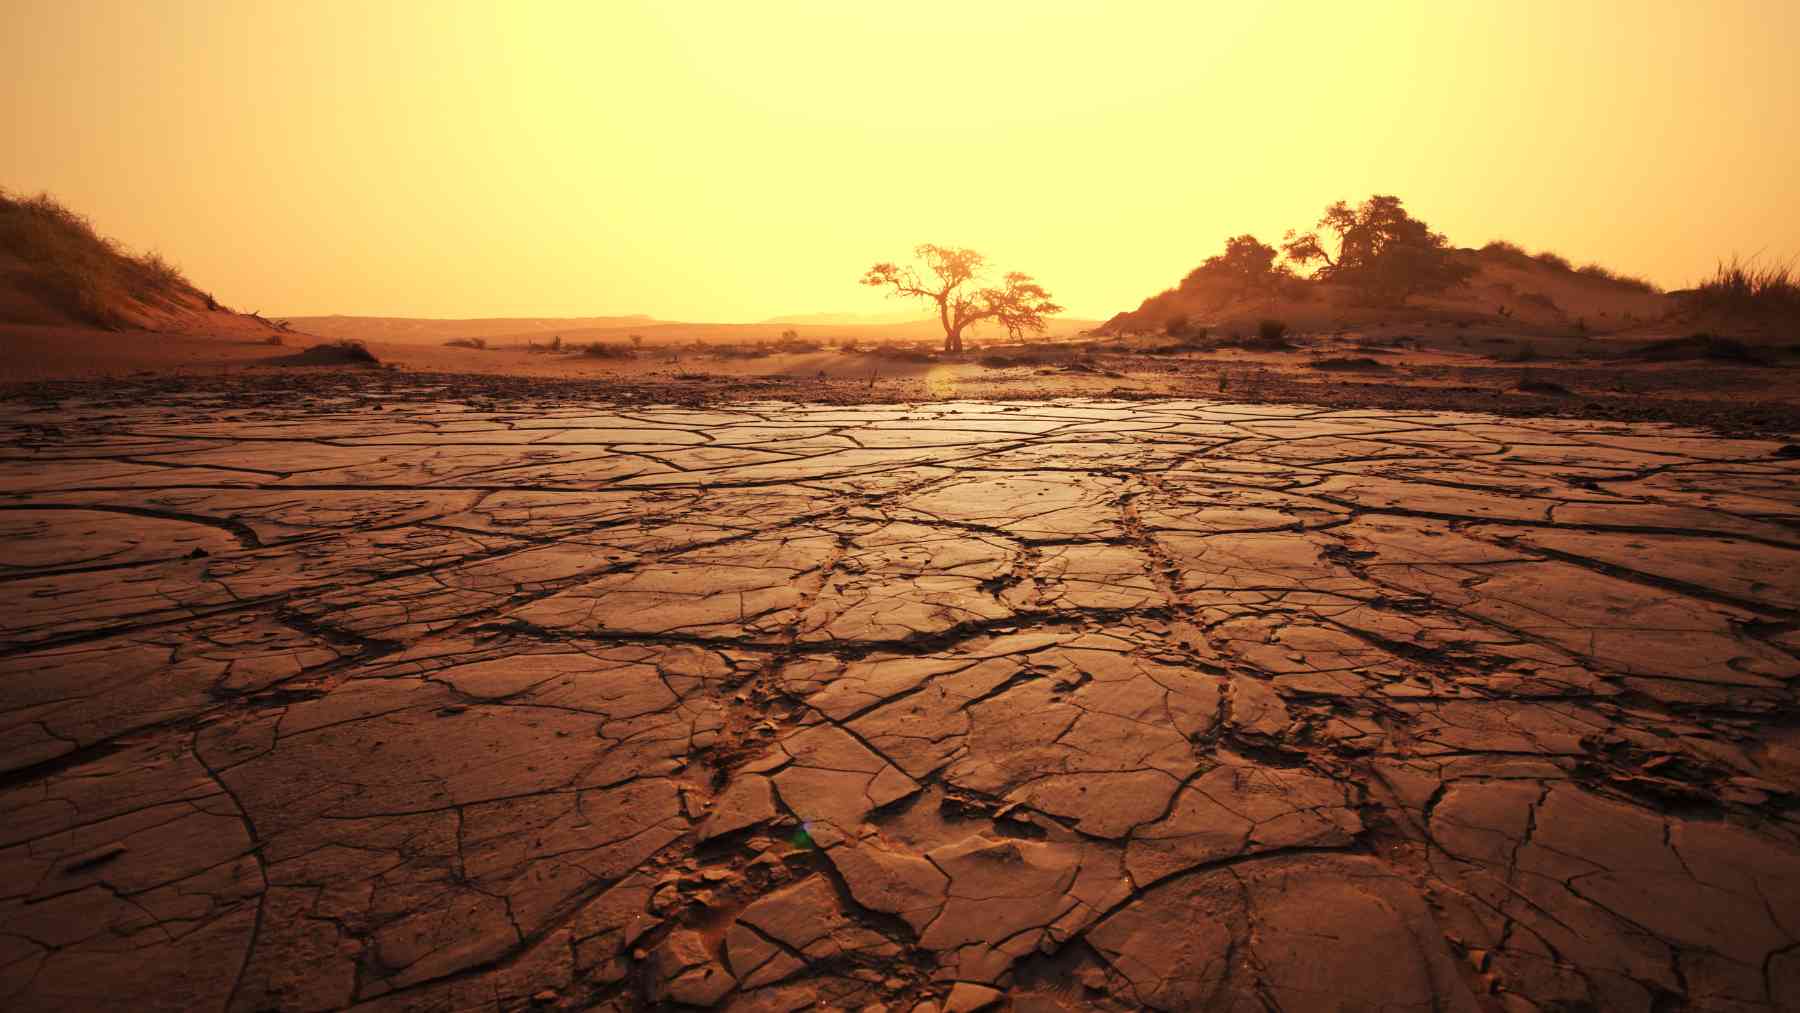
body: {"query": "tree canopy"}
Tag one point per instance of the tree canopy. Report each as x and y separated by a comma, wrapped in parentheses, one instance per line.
(951, 279)
(1247, 267)
(1382, 252)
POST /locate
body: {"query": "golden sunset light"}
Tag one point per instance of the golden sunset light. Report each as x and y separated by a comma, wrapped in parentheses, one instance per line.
(978, 507)
(727, 161)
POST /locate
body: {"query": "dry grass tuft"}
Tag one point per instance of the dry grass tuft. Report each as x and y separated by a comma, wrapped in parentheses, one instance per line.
(1607, 274)
(1749, 288)
(1549, 258)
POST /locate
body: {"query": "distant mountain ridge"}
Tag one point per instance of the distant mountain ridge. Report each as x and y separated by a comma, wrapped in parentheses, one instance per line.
(520, 330)
(843, 319)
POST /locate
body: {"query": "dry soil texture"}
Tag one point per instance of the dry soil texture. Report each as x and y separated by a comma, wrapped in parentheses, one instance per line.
(1054, 705)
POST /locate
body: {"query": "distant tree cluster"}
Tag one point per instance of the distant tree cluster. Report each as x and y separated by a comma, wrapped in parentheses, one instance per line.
(1377, 251)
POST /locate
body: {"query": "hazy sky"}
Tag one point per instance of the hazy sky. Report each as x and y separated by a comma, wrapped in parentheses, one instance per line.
(734, 161)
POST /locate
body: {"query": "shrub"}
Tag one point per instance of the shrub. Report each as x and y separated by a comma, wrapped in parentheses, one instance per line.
(1271, 331)
(1176, 326)
(602, 350)
(1746, 287)
(1555, 260)
(466, 343)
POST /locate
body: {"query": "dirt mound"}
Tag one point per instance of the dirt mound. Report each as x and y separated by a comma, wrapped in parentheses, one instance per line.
(335, 353)
(1346, 364)
(1701, 346)
(1533, 385)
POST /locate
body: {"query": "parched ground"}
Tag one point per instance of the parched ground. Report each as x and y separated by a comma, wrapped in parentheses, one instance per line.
(425, 702)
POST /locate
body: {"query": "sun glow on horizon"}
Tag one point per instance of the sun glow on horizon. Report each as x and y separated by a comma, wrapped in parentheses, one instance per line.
(729, 162)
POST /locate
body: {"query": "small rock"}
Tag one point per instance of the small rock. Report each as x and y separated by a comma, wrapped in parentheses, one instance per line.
(967, 998)
(1091, 977)
(665, 900)
(1743, 796)
(747, 801)
(682, 969)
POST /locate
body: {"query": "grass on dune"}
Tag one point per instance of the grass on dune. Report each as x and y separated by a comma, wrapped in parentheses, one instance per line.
(74, 268)
(1748, 287)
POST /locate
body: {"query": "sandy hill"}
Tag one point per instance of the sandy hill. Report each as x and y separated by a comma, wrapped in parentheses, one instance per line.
(1506, 287)
(57, 271)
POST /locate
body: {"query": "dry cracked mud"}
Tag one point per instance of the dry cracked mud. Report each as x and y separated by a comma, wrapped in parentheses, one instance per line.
(1055, 705)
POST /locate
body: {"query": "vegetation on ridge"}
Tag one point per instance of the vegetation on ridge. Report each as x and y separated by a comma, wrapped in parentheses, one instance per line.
(66, 264)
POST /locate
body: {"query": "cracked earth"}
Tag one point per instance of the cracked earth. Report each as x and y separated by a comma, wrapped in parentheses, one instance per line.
(1054, 705)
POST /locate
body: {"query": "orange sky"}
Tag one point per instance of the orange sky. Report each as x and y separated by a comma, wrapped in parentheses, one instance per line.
(720, 161)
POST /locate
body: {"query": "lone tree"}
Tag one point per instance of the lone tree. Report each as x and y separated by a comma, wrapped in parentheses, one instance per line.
(1384, 253)
(951, 278)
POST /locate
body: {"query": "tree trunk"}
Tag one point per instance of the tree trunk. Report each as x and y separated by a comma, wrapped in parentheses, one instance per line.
(953, 343)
